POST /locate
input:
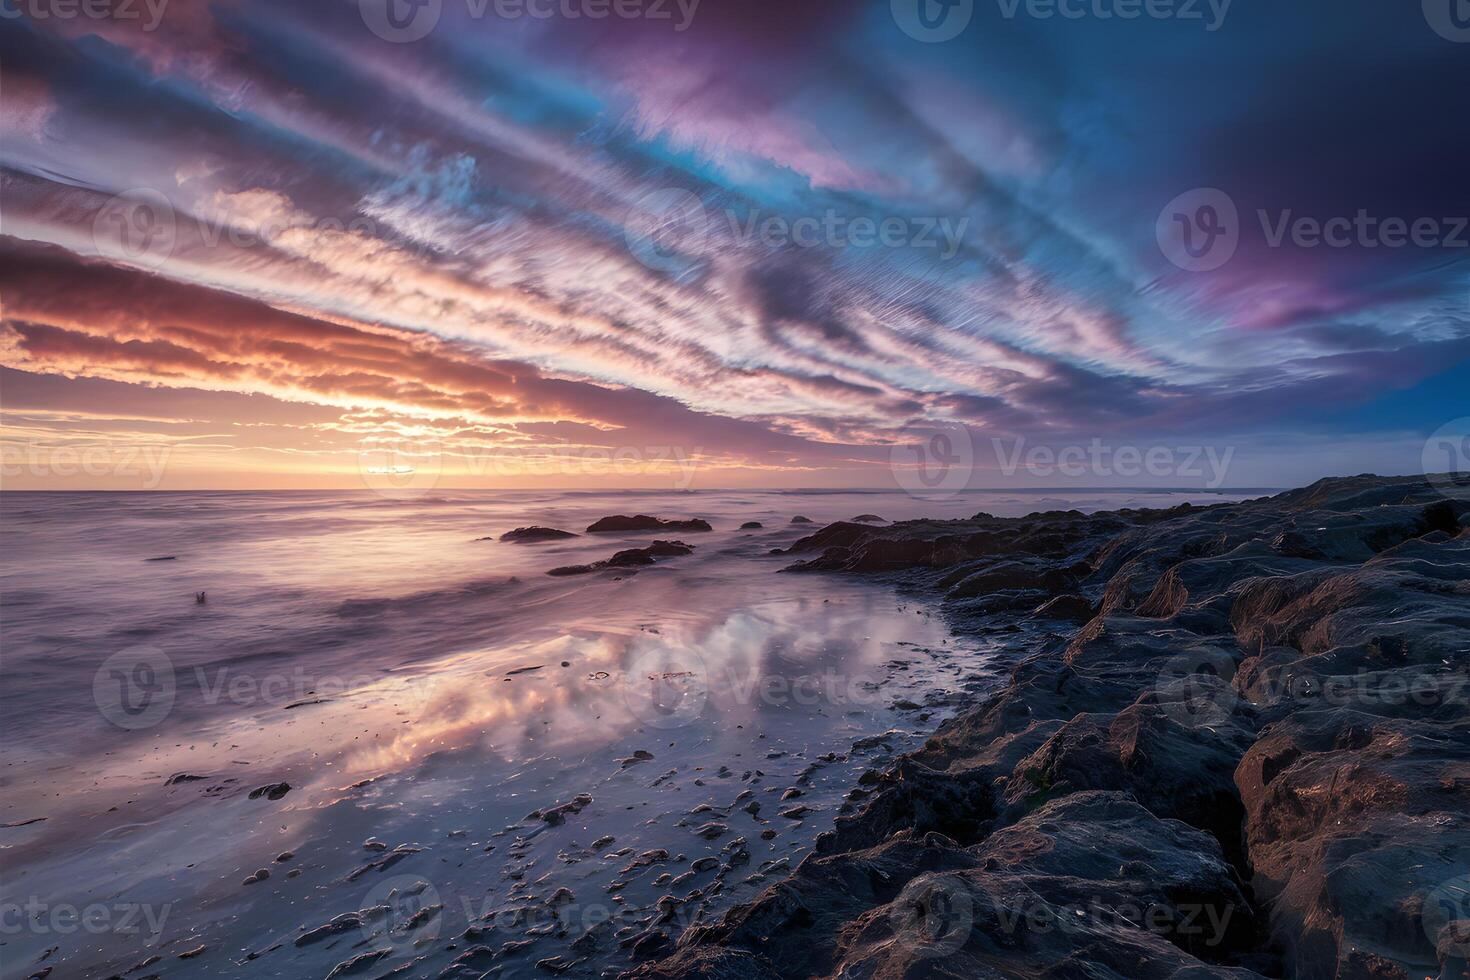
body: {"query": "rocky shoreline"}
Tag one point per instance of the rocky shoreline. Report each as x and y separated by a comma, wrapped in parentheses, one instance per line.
(1239, 746)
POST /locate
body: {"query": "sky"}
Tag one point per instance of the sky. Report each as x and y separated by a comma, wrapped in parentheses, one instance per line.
(729, 243)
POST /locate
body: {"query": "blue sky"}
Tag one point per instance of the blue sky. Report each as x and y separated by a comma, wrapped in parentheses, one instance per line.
(784, 239)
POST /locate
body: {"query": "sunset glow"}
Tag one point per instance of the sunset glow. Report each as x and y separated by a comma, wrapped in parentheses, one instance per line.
(751, 245)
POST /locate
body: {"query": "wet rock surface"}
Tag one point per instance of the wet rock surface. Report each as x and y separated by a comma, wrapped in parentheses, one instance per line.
(1235, 742)
(629, 558)
(527, 535)
(643, 522)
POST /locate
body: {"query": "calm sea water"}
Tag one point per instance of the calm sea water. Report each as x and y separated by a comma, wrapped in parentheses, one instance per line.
(423, 693)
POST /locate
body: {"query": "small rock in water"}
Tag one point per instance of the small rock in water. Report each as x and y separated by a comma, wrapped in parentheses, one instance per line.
(524, 535)
(712, 830)
(557, 815)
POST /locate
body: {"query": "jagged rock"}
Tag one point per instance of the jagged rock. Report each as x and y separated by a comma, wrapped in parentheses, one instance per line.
(1071, 608)
(1268, 708)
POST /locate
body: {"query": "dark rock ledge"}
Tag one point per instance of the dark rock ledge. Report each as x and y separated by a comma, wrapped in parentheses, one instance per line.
(630, 558)
(642, 522)
(1252, 760)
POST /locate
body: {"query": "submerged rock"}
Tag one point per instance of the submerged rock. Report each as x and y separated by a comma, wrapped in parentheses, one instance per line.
(557, 815)
(526, 535)
(629, 558)
(643, 522)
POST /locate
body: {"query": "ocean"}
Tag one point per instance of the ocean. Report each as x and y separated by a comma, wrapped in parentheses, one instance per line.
(436, 751)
